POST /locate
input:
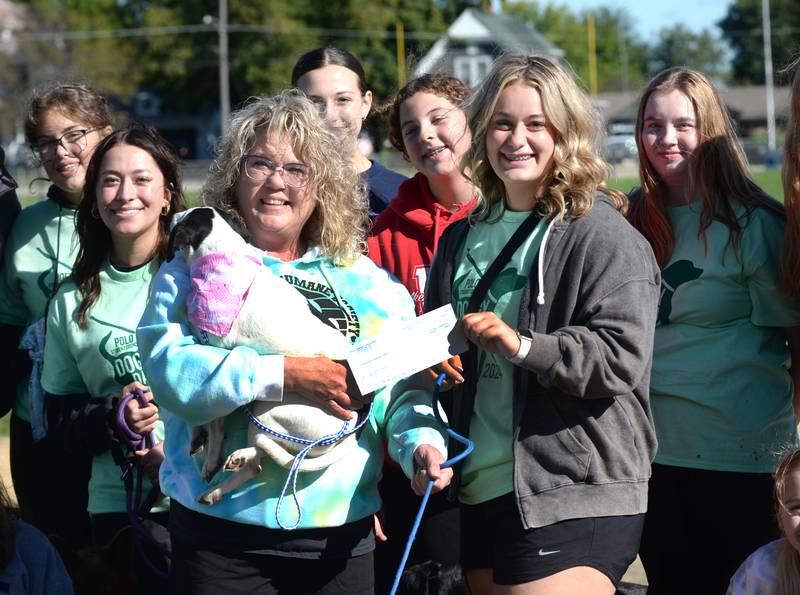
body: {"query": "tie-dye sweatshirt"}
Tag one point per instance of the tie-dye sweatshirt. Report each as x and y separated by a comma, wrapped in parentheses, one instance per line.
(197, 383)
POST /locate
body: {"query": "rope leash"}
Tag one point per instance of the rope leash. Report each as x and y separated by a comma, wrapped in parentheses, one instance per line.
(469, 446)
(294, 469)
(133, 486)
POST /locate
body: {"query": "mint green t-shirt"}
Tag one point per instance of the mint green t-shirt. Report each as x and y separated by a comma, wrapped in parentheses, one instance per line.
(99, 360)
(720, 388)
(488, 471)
(40, 252)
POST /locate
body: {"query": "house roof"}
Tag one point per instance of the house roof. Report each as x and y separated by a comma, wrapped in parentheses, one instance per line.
(507, 32)
(748, 103)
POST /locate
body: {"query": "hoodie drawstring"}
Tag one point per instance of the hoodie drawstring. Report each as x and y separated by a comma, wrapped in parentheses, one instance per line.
(545, 237)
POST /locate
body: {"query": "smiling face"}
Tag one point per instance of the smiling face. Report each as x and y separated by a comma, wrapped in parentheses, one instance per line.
(65, 169)
(789, 509)
(335, 90)
(274, 213)
(670, 136)
(435, 134)
(520, 145)
(131, 194)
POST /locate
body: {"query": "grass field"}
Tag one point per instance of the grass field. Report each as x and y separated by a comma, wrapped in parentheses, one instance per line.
(768, 179)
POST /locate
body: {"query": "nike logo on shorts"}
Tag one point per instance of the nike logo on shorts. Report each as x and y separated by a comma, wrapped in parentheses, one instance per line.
(542, 552)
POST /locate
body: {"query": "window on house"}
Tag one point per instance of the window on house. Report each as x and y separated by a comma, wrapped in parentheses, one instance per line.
(472, 69)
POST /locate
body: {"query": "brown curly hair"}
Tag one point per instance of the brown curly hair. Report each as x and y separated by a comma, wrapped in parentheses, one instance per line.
(441, 85)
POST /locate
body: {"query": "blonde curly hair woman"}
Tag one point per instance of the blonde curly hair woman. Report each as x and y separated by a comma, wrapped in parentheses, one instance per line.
(281, 172)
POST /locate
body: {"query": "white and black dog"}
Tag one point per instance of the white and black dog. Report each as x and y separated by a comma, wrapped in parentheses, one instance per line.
(236, 300)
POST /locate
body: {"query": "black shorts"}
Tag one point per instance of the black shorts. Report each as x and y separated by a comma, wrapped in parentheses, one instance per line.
(492, 536)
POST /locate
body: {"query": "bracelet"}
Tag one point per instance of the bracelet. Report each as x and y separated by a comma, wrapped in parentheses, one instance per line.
(525, 344)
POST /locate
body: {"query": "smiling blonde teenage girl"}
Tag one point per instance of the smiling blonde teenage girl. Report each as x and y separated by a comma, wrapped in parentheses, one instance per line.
(556, 294)
(334, 80)
(721, 388)
(63, 125)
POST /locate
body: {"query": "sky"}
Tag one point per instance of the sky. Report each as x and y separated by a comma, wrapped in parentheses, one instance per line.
(650, 17)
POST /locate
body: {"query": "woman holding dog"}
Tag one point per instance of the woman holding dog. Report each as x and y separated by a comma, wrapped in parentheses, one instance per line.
(63, 125)
(725, 400)
(91, 360)
(334, 80)
(285, 177)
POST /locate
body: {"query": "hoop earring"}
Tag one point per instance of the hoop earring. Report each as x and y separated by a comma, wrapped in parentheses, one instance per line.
(93, 211)
(165, 210)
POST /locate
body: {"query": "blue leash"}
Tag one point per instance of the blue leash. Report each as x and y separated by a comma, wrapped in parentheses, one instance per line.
(294, 469)
(448, 463)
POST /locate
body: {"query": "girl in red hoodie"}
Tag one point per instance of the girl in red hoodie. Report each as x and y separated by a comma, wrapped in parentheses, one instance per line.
(429, 128)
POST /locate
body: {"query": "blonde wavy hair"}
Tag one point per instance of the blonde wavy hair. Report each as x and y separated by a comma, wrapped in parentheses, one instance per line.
(790, 258)
(576, 171)
(339, 222)
(718, 169)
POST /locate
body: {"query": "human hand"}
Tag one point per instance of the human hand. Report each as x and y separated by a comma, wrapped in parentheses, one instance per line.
(453, 371)
(141, 420)
(488, 331)
(427, 461)
(378, 520)
(321, 380)
(150, 461)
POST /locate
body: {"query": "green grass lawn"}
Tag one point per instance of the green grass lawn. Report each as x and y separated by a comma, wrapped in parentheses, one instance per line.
(768, 179)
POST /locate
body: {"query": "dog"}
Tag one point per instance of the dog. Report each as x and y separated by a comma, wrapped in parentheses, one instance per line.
(236, 300)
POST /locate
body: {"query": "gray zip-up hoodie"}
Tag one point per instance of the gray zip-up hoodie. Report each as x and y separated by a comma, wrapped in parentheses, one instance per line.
(583, 432)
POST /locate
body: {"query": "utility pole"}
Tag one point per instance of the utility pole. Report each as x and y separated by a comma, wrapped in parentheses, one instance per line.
(592, 54)
(224, 82)
(771, 144)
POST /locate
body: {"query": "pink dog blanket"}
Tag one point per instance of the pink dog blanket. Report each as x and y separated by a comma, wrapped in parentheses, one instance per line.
(220, 284)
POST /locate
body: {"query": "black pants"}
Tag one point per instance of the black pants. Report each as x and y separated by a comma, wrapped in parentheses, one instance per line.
(204, 572)
(701, 525)
(149, 567)
(51, 485)
(438, 538)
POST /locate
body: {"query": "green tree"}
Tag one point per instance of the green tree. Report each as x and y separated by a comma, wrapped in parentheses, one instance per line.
(742, 29)
(621, 56)
(679, 46)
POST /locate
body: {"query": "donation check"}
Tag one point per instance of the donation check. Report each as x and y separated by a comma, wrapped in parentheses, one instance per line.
(418, 344)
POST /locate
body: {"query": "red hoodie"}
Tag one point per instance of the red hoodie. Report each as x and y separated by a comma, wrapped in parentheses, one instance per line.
(405, 235)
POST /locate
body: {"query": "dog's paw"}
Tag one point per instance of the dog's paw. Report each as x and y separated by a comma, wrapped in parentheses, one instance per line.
(235, 462)
(209, 470)
(199, 439)
(210, 497)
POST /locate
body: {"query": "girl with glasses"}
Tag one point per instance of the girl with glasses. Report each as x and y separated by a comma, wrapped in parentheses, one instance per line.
(64, 123)
(334, 80)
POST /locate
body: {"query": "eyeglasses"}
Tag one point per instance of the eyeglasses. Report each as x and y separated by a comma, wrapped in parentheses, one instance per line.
(74, 142)
(258, 169)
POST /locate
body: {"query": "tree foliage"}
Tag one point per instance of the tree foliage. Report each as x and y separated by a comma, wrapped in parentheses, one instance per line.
(742, 29)
(678, 46)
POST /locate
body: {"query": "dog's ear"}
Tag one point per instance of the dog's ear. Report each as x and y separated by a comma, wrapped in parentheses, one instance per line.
(234, 223)
(191, 230)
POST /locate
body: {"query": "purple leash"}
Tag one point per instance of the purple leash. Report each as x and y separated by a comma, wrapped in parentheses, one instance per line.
(133, 486)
